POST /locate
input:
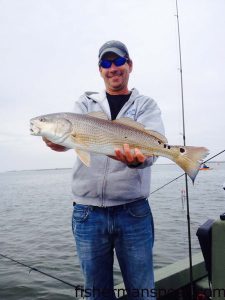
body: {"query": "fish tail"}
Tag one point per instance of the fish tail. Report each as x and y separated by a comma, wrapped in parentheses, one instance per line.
(190, 159)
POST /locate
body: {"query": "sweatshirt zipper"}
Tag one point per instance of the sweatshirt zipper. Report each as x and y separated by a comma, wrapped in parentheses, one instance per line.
(104, 180)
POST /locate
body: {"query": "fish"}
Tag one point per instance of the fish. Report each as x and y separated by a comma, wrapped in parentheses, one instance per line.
(94, 132)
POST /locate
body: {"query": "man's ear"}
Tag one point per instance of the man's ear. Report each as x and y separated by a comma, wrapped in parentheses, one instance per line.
(130, 63)
(100, 70)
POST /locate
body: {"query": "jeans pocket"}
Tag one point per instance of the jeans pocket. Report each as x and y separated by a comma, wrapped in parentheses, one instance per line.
(80, 212)
(139, 209)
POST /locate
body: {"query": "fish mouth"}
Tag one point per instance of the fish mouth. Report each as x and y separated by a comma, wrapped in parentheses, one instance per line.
(34, 130)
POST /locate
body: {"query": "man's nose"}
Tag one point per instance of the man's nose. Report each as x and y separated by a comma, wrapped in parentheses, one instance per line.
(113, 67)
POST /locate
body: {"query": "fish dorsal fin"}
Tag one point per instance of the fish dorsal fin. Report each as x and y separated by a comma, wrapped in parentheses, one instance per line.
(129, 122)
(84, 157)
(98, 114)
(157, 135)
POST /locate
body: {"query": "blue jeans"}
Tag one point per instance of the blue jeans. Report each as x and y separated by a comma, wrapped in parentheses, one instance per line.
(129, 230)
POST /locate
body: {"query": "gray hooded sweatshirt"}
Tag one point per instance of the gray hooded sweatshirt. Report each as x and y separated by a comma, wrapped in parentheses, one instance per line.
(108, 182)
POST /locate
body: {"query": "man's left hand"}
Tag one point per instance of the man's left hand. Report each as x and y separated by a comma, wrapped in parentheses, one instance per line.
(128, 157)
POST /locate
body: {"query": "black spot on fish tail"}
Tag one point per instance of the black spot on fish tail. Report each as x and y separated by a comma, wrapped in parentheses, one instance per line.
(182, 150)
(165, 145)
(168, 147)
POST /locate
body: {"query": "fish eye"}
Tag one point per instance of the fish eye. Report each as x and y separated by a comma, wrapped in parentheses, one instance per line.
(42, 119)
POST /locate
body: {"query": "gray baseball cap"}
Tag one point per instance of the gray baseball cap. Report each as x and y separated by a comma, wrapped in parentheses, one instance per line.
(116, 47)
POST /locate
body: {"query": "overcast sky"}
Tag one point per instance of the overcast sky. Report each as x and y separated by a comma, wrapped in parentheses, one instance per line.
(48, 58)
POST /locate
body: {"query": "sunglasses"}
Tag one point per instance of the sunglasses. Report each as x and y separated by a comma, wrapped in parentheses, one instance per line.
(119, 61)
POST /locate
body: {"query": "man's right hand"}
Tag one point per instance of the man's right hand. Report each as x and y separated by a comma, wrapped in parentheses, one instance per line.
(54, 147)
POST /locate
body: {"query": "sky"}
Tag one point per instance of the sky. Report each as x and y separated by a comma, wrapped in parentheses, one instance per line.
(48, 58)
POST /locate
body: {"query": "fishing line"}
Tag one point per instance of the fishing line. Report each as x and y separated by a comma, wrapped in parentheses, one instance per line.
(161, 187)
(214, 156)
(76, 287)
(205, 161)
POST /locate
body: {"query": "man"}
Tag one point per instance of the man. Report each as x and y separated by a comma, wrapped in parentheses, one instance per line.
(111, 210)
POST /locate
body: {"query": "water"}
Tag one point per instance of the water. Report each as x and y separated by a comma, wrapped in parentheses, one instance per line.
(35, 222)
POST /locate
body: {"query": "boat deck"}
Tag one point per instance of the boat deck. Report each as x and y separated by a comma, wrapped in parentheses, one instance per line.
(173, 281)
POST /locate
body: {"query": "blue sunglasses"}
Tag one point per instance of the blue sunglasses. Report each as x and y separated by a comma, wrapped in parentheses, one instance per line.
(119, 61)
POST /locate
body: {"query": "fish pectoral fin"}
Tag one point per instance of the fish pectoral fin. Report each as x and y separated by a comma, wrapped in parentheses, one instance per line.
(98, 114)
(129, 122)
(157, 135)
(84, 157)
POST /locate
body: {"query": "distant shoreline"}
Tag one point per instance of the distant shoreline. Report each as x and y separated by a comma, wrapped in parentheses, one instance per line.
(55, 169)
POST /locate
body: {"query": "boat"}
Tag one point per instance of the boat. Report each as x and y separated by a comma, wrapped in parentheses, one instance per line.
(204, 167)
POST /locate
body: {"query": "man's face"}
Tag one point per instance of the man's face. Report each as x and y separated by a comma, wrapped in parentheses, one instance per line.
(116, 78)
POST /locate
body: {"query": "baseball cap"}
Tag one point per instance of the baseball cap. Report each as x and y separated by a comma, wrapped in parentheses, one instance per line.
(116, 47)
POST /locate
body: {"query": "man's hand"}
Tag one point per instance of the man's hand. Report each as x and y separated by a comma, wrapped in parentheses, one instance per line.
(53, 146)
(129, 158)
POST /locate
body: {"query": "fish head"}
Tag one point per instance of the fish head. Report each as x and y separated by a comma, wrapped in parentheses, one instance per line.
(54, 127)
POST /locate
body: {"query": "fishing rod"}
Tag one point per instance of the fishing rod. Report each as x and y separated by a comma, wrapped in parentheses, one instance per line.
(184, 142)
(76, 287)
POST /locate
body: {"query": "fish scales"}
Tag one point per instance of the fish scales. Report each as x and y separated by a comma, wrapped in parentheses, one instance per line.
(97, 132)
